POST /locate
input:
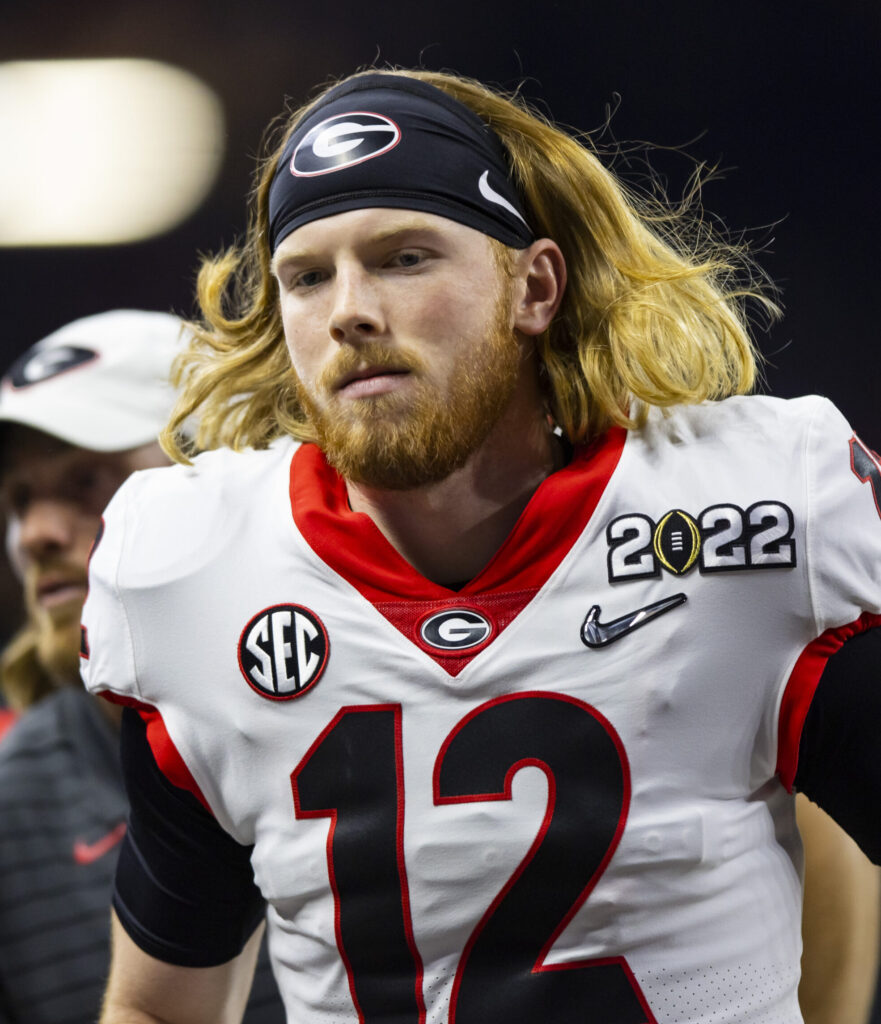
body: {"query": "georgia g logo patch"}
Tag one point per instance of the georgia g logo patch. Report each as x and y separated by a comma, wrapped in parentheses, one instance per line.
(455, 629)
(342, 141)
(283, 651)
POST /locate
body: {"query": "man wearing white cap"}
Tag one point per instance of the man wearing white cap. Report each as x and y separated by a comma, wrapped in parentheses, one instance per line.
(79, 412)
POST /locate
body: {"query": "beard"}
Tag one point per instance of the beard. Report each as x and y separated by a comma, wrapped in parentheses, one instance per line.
(56, 631)
(402, 441)
(58, 650)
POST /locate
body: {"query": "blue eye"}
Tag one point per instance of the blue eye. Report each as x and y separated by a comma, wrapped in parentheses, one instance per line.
(309, 279)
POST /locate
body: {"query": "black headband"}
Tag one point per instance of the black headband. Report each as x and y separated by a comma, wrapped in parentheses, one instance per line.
(391, 141)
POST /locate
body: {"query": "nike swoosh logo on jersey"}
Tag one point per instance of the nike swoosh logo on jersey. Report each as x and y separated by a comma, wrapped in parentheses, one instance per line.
(88, 853)
(600, 634)
(490, 194)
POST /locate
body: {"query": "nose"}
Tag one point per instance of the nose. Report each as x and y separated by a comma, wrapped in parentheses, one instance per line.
(46, 527)
(356, 313)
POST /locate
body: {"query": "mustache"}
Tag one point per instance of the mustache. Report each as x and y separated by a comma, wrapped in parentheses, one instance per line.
(373, 355)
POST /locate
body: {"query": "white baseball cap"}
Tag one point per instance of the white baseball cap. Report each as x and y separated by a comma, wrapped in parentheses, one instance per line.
(100, 382)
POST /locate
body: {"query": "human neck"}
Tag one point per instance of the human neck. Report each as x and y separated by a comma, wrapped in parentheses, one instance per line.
(449, 530)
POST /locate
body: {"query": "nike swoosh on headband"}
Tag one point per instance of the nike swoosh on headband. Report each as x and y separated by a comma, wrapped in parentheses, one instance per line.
(490, 194)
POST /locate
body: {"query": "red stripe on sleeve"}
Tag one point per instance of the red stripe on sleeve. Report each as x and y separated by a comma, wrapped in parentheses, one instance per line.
(167, 756)
(800, 689)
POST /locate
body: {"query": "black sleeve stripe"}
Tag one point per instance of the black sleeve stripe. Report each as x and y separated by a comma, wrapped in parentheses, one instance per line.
(838, 763)
(185, 889)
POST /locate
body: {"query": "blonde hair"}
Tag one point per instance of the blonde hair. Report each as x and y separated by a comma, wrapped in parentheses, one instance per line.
(23, 680)
(654, 309)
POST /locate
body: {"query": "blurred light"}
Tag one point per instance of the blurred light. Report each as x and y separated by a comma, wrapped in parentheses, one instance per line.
(96, 152)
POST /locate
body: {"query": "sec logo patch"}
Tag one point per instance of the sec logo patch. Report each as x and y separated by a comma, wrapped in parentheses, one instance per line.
(283, 651)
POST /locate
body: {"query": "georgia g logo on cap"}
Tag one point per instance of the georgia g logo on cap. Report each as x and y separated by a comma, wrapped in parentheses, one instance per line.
(39, 364)
(342, 141)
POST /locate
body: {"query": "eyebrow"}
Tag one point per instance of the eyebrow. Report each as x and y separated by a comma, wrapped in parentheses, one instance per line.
(412, 227)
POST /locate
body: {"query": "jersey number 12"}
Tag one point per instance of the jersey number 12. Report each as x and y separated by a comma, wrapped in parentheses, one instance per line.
(353, 774)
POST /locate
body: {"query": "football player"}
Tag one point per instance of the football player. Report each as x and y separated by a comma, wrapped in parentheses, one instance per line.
(503, 719)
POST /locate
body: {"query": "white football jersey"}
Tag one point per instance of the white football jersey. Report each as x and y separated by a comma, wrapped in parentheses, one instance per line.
(559, 794)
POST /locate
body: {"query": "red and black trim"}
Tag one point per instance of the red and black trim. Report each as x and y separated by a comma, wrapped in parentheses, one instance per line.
(165, 754)
(828, 733)
(866, 466)
(198, 904)
(801, 687)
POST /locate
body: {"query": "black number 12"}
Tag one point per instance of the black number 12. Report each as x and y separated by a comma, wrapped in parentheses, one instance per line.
(353, 774)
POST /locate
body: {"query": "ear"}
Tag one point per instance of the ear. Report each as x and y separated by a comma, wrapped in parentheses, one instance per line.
(540, 279)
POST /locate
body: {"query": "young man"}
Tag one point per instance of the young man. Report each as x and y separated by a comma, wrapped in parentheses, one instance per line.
(79, 412)
(506, 718)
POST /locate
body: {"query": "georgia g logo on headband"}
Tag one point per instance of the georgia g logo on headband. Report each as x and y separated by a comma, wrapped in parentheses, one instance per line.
(342, 141)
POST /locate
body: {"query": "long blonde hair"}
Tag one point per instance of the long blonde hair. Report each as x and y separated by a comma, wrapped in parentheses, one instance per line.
(23, 680)
(654, 309)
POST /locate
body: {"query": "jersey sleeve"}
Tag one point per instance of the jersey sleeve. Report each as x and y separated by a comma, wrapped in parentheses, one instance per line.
(844, 521)
(107, 662)
(838, 766)
(185, 889)
(832, 701)
(843, 567)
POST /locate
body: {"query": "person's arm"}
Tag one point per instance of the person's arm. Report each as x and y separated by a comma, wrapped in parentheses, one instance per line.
(144, 990)
(187, 916)
(839, 769)
(838, 765)
(840, 928)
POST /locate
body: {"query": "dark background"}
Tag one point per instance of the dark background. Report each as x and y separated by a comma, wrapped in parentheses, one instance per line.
(783, 96)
